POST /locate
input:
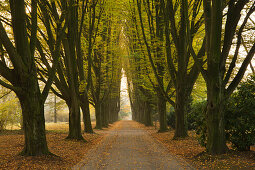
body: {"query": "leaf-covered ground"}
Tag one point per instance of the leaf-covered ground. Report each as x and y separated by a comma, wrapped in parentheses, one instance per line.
(71, 152)
(190, 150)
(128, 146)
(68, 152)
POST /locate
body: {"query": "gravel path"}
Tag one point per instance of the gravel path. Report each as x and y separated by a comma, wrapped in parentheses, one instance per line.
(127, 147)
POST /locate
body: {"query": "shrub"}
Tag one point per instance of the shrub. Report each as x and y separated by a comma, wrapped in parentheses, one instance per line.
(171, 118)
(197, 114)
(3, 120)
(9, 113)
(240, 116)
(191, 118)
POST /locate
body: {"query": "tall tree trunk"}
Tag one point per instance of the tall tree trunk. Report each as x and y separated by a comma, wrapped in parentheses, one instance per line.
(33, 121)
(180, 114)
(148, 119)
(104, 115)
(111, 111)
(98, 116)
(162, 113)
(86, 114)
(106, 112)
(216, 142)
(55, 109)
(141, 113)
(74, 119)
(117, 104)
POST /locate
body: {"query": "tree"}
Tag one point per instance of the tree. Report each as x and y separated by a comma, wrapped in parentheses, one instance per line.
(140, 87)
(155, 49)
(174, 70)
(181, 67)
(69, 72)
(104, 63)
(22, 75)
(219, 45)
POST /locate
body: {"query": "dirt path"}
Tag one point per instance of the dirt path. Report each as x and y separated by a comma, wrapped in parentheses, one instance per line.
(128, 147)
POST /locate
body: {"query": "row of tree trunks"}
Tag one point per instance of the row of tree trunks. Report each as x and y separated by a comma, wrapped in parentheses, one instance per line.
(107, 112)
(141, 109)
(142, 113)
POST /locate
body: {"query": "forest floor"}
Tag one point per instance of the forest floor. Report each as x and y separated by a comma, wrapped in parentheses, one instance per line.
(128, 146)
(125, 141)
(190, 150)
(68, 152)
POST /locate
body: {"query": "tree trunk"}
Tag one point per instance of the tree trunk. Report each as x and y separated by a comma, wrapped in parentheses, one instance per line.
(104, 115)
(98, 116)
(181, 130)
(108, 112)
(111, 111)
(86, 114)
(216, 142)
(74, 119)
(55, 109)
(117, 107)
(33, 122)
(148, 119)
(106, 121)
(140, 112)
(162, 113)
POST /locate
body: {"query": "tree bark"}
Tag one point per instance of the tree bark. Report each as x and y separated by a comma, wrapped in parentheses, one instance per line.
(148, 119)
(162, 113)
(74, 119)
(55, 109)
(33, 120)
(98, 116)
(216, 142)
(86, 114)
(104, 115)
(180, 114)
(23, 76)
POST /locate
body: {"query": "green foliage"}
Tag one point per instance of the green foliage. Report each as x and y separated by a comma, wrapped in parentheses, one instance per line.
(197, 114)
(240, 116)
(171, 118)
(123, 114)
(3, 121)
(10, 113)
(191, 117)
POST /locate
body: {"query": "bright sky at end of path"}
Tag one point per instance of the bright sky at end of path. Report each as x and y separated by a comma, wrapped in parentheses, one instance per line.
(124, 97)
